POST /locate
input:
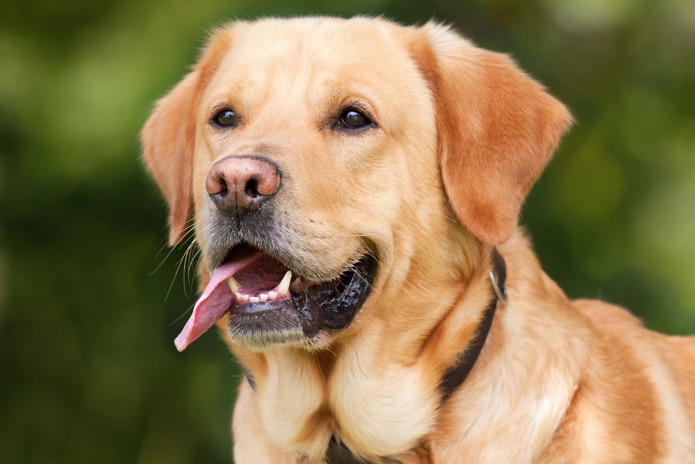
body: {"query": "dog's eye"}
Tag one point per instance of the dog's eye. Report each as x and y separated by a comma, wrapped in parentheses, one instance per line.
(225, 118)
(352, 119)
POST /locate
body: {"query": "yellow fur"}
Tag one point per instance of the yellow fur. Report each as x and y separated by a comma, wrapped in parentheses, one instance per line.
(462, 135)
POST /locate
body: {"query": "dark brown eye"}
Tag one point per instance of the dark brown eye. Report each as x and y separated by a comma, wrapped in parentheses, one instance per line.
(352, 119)
(225, 118)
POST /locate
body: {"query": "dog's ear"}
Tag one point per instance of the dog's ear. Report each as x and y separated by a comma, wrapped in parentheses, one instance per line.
(168, 137)
(497, 129)
(168, 140)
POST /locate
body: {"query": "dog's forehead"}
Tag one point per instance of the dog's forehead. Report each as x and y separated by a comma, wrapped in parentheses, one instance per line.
(313, 59)
(296, 43)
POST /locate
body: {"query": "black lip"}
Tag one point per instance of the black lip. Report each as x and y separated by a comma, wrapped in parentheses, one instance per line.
(331, 305)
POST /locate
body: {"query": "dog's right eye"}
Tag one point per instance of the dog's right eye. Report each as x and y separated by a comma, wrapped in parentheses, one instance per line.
(224, 118)
(353, 119)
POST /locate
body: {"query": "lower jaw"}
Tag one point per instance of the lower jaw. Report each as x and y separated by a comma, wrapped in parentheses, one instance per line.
(266, 340)
(251, 333)
(297, 322)
(305, 319)
(262, 329)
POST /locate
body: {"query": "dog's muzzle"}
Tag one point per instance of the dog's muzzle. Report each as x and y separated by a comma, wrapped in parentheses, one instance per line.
(258, 282)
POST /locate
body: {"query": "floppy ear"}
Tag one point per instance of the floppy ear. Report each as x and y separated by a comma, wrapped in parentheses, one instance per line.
(497, 129)
(168, 137)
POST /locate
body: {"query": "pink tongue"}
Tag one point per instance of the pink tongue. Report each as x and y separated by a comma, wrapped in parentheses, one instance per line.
(213, 303)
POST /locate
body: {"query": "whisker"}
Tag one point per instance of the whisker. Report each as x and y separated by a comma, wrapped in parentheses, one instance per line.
(323, 378)
(194, 262)
(184, 262)
(333, 353)
(179, 264)
(183, 315)
(187, 235)
(171, 285)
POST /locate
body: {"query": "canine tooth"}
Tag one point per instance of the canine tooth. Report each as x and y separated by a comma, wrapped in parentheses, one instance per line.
(239, 296)
(254, 299)
(233, 285)
(284, 287)
(272, 295)
(263, 296)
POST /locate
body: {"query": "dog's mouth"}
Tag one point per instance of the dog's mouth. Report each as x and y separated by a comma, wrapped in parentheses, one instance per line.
(270, 304)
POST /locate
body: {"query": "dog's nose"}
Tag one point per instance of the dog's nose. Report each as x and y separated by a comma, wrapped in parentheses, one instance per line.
(241, 183)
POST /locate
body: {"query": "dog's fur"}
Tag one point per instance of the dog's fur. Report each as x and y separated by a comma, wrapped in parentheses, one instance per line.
(461, 135)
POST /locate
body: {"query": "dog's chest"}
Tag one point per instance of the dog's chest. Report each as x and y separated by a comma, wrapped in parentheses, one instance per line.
(372, 412)
(387, 413)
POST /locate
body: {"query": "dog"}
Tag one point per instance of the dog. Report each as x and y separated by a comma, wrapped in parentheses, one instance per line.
(355, 188)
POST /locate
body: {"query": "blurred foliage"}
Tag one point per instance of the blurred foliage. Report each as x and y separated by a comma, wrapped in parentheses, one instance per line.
(88, 371)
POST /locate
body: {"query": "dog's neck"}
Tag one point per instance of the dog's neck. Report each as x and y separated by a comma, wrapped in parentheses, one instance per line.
(457, 373)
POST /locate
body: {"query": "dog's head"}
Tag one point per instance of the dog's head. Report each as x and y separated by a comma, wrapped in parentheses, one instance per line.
(326, 162)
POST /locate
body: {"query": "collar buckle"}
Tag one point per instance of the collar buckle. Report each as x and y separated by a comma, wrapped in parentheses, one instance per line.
(500, 291)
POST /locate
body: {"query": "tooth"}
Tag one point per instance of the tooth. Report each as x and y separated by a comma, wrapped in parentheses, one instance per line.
(233, 285)
(263, 296)
(239, 296)
(245, 298)
(284, 287)
(297, 281)
(254, 299)
(272, 295)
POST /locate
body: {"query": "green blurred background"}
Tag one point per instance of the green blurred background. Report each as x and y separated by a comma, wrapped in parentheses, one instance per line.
(88, 369)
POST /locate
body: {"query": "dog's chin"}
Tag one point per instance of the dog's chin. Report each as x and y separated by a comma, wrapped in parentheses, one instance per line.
(264, 336)
(308, 317)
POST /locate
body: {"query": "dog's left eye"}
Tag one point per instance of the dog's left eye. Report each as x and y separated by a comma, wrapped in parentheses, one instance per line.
(352, 119)
(225, 118)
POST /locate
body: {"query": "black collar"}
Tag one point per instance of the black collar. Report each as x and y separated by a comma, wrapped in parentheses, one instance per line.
(338, 453)
(456, 374)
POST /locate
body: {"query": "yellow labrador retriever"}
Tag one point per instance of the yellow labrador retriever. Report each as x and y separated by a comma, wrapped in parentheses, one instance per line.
(355, 187)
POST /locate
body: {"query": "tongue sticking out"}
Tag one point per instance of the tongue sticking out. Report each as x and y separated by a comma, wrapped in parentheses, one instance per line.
(213, 303)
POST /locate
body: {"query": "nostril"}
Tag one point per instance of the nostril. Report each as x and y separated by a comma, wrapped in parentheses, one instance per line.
(251, 189)
(219, 197)
(265, 183)
(216, 184)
